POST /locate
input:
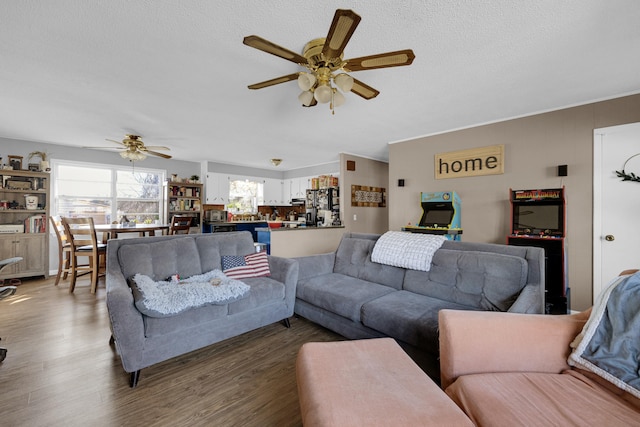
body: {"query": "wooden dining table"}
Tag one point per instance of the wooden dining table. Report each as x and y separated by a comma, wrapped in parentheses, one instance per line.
(111, 231)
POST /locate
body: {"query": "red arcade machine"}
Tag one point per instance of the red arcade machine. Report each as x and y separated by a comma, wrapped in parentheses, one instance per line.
(538, 218)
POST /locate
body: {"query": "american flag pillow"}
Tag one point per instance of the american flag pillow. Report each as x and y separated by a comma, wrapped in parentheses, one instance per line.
(242, 267)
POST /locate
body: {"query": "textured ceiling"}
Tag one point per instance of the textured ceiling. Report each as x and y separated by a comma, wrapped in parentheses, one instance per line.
(75, 72)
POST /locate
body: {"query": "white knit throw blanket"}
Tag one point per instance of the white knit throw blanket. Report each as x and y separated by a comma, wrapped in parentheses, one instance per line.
(406, 250)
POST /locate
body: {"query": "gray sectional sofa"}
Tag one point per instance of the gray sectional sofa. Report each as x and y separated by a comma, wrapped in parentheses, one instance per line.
(346, 292)
(142, 340)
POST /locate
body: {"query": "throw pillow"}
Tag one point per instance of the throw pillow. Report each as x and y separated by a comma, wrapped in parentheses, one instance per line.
(242, 267)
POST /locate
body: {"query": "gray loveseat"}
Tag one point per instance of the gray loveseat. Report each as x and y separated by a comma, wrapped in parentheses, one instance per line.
(348, 293)
(142, 341)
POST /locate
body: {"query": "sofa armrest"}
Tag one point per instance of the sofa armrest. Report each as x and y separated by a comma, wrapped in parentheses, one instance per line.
(530, 300)
(316, 265)
(480, 342)
(285, 270)
(127, 326)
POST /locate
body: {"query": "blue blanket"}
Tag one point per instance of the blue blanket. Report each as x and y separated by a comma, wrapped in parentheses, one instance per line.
(609, 344)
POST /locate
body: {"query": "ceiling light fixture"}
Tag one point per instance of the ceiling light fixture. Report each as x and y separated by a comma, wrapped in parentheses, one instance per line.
(326, 79)
(276, 162)
(133, 155)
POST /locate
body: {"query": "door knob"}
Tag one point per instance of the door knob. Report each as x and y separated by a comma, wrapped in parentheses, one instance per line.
(609, 238)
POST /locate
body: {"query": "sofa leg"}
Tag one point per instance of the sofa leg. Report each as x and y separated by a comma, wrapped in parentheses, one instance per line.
(286, 322)
(112, 341)
(133, 378)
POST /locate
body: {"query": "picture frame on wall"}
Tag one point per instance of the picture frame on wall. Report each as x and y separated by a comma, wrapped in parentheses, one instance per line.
(15, 162)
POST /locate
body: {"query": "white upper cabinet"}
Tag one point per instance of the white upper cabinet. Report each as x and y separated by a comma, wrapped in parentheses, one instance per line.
(217, 189)
(273, 192)
(298, 187)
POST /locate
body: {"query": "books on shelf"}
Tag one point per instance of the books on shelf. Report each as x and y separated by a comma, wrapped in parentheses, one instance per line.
(35, 224)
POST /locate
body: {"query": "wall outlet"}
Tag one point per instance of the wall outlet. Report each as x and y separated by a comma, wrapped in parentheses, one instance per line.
(355, 217)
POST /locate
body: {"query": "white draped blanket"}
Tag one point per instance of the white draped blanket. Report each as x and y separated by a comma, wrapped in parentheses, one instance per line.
(406, 250)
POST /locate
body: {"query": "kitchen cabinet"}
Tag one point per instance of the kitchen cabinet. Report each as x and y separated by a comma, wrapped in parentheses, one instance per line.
(24, 222)
(183, 198)
(273, 192)
(217, 189)
(298, 187)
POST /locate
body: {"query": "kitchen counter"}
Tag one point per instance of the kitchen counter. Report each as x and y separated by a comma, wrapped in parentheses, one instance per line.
(300, 241)
(298, 228)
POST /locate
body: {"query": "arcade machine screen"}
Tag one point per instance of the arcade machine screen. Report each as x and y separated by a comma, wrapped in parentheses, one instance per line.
(538, 218)
(437, 217)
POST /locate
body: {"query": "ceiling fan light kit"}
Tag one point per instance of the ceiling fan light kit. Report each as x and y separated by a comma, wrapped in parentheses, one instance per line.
(132, 155)
(325, 67)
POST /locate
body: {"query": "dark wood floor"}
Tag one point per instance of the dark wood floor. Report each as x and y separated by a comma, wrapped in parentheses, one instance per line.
(60, 369)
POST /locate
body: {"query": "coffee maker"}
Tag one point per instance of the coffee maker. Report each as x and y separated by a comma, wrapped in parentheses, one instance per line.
(311, 216)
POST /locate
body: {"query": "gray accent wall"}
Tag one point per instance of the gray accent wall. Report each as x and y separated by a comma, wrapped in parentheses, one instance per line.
(534, 146)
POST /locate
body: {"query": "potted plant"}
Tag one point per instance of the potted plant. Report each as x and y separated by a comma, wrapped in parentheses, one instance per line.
(194, 179)
(44, 163)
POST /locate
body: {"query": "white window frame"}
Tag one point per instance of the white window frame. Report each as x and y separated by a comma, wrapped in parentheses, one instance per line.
(55, 164)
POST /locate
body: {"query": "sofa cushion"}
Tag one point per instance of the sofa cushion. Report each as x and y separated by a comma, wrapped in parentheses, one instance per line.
(541, 399)
(483, 280)
(340, 294)
(264, 291)
(193, 318)
(161, 259)
(407, 316)
(212, 247)
(353, 258)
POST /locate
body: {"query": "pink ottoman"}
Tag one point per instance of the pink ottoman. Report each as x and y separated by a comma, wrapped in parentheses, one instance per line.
(369, 383)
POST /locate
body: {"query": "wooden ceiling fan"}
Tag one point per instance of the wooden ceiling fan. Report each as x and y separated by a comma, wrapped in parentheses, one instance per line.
(133, 148)
(323, 59)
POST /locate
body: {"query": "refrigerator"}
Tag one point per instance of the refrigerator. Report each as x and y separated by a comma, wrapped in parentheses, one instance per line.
(324, 199)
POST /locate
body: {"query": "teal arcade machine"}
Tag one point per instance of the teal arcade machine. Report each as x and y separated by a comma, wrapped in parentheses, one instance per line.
(440, 215)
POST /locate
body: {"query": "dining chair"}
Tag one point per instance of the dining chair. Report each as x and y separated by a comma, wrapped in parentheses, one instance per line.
(180, 224)
(81, 234)
(64, 248)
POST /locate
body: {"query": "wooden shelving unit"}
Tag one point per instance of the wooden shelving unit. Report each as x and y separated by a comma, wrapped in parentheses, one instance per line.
(24, 228)
(183, 198)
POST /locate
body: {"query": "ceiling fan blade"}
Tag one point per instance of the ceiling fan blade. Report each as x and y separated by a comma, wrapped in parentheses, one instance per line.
(272, 48)
(117, 142)
(342, 27)
(109, 148)
(363, 90)
(154, 153)
(381, 60)
(157, 147)
(275, 81)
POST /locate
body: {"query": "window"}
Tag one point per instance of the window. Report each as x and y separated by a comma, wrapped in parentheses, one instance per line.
(107, 193)
(244, 196)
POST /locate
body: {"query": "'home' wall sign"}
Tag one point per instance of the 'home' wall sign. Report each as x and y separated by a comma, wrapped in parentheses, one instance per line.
(472, 162)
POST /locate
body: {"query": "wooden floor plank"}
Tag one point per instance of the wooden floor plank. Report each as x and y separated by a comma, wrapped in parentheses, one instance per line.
(61, 370)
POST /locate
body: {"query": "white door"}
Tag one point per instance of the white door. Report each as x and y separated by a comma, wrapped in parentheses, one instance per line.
(616, 228)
